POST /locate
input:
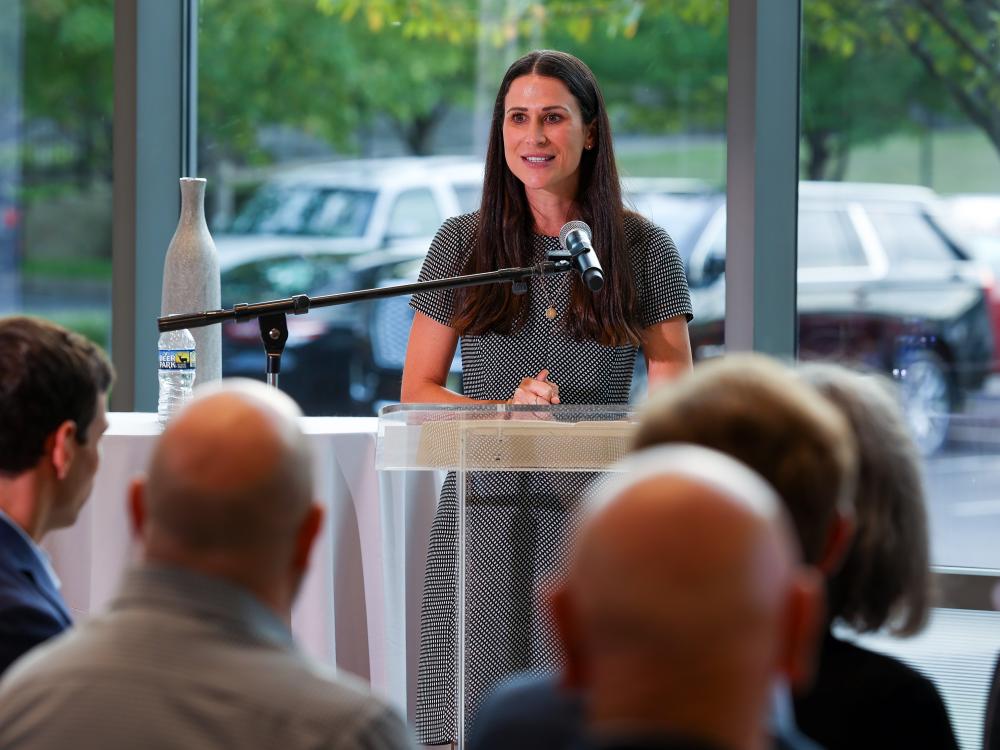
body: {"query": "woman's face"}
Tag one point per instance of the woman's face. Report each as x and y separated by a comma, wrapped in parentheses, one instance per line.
(544, 134)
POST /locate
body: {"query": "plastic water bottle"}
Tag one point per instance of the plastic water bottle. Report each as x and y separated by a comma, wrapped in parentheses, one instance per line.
(177, 369)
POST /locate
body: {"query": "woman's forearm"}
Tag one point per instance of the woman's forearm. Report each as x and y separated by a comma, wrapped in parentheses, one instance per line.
(429, 392)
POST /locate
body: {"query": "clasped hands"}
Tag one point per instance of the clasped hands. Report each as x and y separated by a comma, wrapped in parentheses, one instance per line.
(538, 390)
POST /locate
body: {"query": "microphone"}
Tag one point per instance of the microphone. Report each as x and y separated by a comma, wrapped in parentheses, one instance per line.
(575, 239)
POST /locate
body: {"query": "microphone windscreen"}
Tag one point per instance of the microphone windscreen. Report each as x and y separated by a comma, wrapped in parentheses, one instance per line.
(568, 227)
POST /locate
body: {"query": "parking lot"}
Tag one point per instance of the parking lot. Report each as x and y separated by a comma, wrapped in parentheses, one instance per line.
(963, 485)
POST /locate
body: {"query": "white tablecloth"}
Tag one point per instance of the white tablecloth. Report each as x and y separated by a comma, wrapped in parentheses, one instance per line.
(359, 605)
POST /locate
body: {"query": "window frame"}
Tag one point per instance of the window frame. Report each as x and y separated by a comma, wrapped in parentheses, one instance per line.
(154, 145)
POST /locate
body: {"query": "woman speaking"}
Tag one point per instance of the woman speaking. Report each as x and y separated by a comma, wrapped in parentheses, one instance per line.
(549, 161)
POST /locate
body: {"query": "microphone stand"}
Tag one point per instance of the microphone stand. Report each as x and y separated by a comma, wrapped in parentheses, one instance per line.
(272, 314)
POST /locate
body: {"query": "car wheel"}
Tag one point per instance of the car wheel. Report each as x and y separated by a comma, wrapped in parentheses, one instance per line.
(926, 395)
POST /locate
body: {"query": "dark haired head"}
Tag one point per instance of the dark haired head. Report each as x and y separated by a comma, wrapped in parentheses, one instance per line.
(47, 375)
(504, 232)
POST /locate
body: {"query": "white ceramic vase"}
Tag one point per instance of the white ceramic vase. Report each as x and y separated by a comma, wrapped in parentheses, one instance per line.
(191, 277)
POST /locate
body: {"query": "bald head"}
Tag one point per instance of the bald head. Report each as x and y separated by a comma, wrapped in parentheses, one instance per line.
(229, 484)
(677, 594)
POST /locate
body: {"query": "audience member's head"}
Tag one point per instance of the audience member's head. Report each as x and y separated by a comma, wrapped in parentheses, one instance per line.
(758, 411)
(53, 385)
(684, 600)
(229, 492)
(885, 578)
(193, 647)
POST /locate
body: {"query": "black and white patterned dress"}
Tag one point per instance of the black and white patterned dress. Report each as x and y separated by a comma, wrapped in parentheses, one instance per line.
(516, 522)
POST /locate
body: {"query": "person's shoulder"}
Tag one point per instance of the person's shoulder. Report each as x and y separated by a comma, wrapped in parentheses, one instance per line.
(15, 552)
(341, 703)
(44, 663)
(882, 687)
(641, 233)
(637, 224)
(539, 694)
(462, 225)
(25, 622)
(879, 671)
(452, 242)
(528, 712)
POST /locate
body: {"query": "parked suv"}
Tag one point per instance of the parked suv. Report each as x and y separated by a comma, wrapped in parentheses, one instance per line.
(882, 284)
(976, 218)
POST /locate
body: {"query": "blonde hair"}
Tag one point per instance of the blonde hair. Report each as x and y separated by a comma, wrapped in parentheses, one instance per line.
(758, 411)
(885, 577)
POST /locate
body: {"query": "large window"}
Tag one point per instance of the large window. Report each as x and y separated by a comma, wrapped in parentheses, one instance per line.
(898, 133)
(336, 134)
(55, 162)
(895, 108)
(349, 153)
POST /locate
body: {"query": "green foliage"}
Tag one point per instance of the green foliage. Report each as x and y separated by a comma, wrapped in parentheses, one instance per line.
(669, 77)
(68, 63)
(330, 68)
(321, 69)
(263, 63)
(74, 269)
(855, 90)
(869, 65)
(899, 61)
(92, 324)
(957, 43)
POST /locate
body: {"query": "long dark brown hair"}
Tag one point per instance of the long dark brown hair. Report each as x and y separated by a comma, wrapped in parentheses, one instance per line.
(503, 236)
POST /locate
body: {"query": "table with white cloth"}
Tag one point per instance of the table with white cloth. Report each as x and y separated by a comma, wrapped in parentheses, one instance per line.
(360, 602)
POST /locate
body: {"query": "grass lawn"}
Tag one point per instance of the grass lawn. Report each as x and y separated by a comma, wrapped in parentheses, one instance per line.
(961, 161)
(96, 269)
(700, 159)
(94, 324)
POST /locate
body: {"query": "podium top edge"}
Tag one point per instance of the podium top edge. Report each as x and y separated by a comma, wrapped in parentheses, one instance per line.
(494, 409)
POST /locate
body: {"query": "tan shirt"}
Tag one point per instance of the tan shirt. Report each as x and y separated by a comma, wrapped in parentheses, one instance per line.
(186, 661)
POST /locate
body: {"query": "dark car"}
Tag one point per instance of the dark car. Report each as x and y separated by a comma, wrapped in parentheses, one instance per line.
(976, 218)
(883, 285)
(313, 369)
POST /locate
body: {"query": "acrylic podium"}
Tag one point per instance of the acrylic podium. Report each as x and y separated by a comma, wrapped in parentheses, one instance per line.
(517, 482)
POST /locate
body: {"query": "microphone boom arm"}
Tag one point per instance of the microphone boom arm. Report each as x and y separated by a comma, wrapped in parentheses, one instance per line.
(272, 313)
(303, 303)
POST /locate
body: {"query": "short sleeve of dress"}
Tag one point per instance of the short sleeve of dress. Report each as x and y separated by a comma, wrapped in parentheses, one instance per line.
(661, 280)
(446, 257)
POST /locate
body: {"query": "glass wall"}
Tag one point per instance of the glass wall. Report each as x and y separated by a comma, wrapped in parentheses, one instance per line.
(898, 229)
(336, 138)
(306, 108)
(55, 161)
